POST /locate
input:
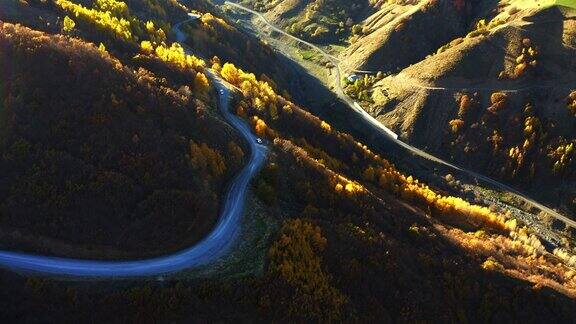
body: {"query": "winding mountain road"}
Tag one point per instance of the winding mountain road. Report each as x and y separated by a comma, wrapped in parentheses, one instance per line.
(416, 151)
(223, 235)
(209, 249)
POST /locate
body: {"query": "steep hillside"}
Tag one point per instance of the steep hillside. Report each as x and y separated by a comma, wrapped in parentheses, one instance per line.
(211, 36)
(178, 82)
(504, 91)
(397, 28)
(95, 154)
(374, 32)
(402, 33)
(321, 21)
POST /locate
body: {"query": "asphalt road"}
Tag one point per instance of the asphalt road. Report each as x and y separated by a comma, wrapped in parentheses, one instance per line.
(221, 238)
(416, 151)
(211, 248)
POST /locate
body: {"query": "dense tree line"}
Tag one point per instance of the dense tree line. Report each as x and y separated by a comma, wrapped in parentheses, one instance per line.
(291, 121)
(295, 257)
(368, 172)
(159, 10)
(114, 17)
(92, 150)
(524, 140)
(322, 21)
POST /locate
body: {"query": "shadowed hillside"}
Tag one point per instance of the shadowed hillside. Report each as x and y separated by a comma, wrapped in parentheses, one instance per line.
(96, 154)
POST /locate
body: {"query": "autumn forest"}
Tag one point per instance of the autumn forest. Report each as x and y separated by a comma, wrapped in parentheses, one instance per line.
(114, 146)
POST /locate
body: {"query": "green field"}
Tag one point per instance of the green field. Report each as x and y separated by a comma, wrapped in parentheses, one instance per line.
(307, 55)
(527, 4)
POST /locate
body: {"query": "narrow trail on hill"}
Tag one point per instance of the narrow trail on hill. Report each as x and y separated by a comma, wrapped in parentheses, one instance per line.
(410, 82)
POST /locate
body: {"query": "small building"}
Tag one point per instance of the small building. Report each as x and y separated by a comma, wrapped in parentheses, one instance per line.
(353, 77)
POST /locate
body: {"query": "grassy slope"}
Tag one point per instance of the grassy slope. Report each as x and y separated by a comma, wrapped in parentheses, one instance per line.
(422, 115)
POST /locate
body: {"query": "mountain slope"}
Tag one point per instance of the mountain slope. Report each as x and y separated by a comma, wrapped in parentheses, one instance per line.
(354, 238)
(102, 153)
(477, 97)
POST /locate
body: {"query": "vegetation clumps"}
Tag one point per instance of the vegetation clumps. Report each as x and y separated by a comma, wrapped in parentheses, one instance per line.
(524, 141)
(296, 257)
(456, 125)
(360, 89)
(483, 28)
(92, 150)
(571, 103)
(562, 156)
(320, 21)
(525, 62)
(276, 124)
(499, 102)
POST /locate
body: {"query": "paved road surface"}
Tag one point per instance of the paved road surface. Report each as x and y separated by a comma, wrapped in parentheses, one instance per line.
(212, 247)
(376, 124)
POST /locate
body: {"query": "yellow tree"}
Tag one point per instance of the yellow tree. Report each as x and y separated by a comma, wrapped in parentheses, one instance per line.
(69, 24)
(201, 83)
(230, 73)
